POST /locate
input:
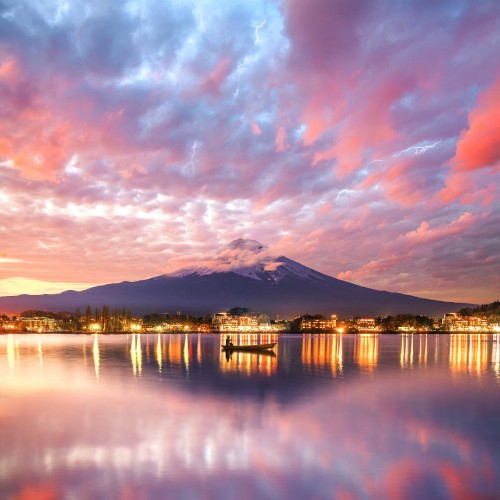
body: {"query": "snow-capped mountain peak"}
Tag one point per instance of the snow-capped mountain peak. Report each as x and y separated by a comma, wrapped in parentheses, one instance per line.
(251, 259)
(275, 269)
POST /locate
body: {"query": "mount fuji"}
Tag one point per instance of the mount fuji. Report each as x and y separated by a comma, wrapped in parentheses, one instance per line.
(244, 274)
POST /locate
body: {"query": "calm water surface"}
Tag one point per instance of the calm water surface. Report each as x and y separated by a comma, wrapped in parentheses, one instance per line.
(327, 416)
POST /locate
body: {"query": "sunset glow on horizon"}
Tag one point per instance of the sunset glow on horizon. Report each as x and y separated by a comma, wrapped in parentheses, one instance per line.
(359, 138)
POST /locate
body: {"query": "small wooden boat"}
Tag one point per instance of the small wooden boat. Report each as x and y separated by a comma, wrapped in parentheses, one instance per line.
(252, 347)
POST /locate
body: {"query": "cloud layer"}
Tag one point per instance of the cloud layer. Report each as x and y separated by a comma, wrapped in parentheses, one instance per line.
(360, 138)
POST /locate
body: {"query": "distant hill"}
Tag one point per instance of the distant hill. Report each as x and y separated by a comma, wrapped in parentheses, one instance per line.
(266, 284)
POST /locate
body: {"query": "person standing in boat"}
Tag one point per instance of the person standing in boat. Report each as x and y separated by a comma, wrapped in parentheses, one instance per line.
(229, 342)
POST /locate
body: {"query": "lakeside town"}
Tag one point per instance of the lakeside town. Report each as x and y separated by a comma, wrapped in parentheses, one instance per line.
(482, 319)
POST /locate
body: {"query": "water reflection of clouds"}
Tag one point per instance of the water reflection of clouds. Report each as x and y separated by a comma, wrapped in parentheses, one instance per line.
(368, 441)
(387, 439)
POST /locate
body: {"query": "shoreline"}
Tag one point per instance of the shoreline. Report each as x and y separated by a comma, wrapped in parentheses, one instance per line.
(318, 332)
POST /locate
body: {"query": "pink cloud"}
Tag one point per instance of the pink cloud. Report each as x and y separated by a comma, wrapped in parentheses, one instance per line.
(425, 234)
(316, 115)
(325, 209)
(478, 148)
(213, 81)
(457, 185)
(374, 267)
(479, 145)
(281, 141)
(256, 130)
(466, 187)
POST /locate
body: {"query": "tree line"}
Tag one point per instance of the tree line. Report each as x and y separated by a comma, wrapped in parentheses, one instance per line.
(100, 318)
(489, 311)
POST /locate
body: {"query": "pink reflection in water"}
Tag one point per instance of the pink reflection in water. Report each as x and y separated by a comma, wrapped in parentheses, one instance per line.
(64, 433)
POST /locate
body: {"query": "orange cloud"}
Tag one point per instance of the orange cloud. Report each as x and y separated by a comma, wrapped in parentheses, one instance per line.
(44, 155)
(479, 146)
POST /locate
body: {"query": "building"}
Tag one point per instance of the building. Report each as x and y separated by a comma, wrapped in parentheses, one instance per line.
(225, 322)
(478, 324)
(40, 324)
(9, 325)
(366, 325)
(318, 324)
(455, 322)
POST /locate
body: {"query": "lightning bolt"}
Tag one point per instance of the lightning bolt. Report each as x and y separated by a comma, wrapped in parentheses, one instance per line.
(342, 191)
(189, 167)
(419, 150)
(240, 66)
(200, 15)
(257, 28)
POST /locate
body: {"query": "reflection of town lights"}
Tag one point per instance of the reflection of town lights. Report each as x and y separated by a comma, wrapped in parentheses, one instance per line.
(133, 355)
(340, 356)
(185, 353)
(159, 354)
(366, 351)
(11, 351)
(469, 353)
(136, 354)
(40, 351)
(95, 352)
(495, 356)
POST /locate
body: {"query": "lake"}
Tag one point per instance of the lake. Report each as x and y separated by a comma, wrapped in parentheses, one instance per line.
(325, 417)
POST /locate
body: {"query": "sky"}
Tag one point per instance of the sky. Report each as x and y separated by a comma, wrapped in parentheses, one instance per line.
(360, 138)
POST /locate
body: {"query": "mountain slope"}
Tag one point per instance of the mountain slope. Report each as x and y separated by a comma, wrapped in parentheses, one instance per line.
(271, 285)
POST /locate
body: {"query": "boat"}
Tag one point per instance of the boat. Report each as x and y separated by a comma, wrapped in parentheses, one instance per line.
(251, 347)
